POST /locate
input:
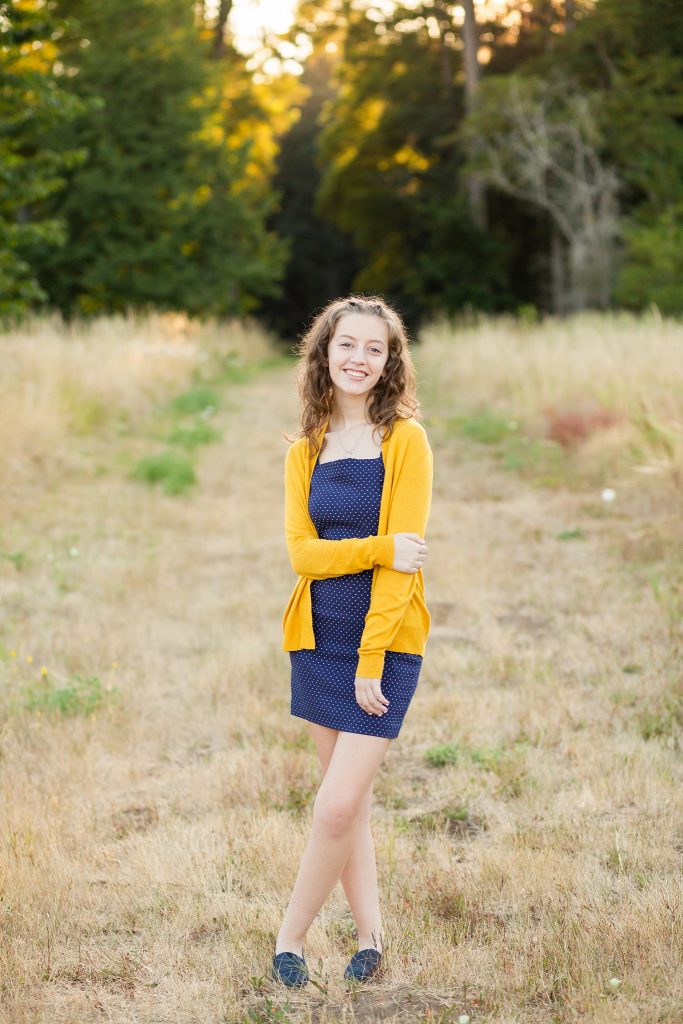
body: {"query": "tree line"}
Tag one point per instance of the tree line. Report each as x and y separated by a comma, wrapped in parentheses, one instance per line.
(449, 155)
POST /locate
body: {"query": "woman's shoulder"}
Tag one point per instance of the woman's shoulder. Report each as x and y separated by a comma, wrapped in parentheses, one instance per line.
(295, 451)
(408, 429)
(298, 450)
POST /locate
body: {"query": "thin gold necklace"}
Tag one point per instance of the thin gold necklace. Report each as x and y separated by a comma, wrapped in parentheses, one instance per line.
(351, 450)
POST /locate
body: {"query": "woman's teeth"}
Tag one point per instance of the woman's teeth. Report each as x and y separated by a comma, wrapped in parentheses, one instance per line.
(358, 375)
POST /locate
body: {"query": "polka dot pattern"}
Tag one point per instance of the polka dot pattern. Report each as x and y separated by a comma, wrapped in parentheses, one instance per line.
(344, 502)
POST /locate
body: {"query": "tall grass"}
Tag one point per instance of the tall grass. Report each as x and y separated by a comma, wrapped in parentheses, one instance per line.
(63, 382)
(619, 360)
(589, 399)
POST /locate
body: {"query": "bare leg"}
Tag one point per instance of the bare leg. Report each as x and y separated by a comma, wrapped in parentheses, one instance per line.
(343, 794)
(359, 875)
(359, 881)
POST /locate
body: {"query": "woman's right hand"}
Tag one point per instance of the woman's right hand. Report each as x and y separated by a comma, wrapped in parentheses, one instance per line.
(410, 552)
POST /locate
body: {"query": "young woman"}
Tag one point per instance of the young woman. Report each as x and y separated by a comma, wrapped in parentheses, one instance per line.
(358, 485)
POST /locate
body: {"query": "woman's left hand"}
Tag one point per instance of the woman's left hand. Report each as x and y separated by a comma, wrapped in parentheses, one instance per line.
(370, 697)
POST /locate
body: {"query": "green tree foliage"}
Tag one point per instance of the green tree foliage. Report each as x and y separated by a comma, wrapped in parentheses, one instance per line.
(32, 105)
(653, 268)
(629, 53)
(174, 206)
(323, 262)
(392, 170)
(168, 210)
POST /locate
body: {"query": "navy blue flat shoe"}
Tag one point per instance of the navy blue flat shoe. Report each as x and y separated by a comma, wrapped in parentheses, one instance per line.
(363, 965)
(290, 969)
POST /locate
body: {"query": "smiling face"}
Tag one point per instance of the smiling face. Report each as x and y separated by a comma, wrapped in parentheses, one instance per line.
(357, 353)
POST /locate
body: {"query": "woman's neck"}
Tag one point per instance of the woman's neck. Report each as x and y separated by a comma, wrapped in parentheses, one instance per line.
(348, 414)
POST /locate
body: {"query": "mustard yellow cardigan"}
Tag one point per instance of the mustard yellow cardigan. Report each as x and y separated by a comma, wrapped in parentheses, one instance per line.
(397, 619)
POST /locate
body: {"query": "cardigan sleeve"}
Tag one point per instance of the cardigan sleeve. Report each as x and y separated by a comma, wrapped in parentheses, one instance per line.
(319, 559)
(392, 590)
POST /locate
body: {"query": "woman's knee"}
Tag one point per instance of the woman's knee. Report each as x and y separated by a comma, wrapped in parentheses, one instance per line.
(334, 814)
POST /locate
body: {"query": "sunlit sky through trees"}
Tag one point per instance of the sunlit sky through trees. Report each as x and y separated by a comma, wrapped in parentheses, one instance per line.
(249, 18)
(252, 20)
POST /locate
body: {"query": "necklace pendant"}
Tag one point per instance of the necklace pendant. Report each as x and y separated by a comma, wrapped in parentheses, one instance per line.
(349, 452)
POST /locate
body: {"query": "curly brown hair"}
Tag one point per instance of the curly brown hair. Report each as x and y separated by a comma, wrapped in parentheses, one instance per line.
(394, 395)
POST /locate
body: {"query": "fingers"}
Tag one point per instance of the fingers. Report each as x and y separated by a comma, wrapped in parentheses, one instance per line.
(412, 558)
(370, 698)
(375, 704)
(420, 557)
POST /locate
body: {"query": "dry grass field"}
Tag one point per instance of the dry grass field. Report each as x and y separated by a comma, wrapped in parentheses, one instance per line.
(155, 793)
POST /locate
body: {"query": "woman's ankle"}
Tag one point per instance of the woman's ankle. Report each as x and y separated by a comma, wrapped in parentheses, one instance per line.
(288, 945)
(371, 941)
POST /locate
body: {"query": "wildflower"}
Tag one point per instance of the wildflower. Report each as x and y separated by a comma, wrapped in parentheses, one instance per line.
(464, 1018)
(614, 983)
(43, 671)
(13, 654)
(29, 657)
(114, 664)
(608, 494)
(73, 552)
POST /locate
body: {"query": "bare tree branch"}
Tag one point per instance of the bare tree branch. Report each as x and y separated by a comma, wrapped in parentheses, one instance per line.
(544, 149)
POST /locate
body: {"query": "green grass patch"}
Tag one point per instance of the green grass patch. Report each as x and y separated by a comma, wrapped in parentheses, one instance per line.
(662, 719)
(235, 371)
(445, 753)
(86, 414)
(193, 436)
(196, 400)
(668, 592)
(456, 819)
(489, 758)
(17, 558)
(542, 462)
(296, 799)
(270, 1012)
(172, 470)
(506, 762)
(81, 696)
(485, 427)
(451, 753)
(576, 534)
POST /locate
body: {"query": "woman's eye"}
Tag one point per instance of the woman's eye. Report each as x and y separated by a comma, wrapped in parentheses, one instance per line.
(347, 344)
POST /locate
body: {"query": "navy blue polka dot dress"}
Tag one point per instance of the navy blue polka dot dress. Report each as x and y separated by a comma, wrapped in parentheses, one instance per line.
(344, 502)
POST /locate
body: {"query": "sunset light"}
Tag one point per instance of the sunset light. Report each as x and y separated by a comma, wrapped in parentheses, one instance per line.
(249, 19)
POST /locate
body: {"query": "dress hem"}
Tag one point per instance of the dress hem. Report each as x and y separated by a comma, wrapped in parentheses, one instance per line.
(355, 732)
